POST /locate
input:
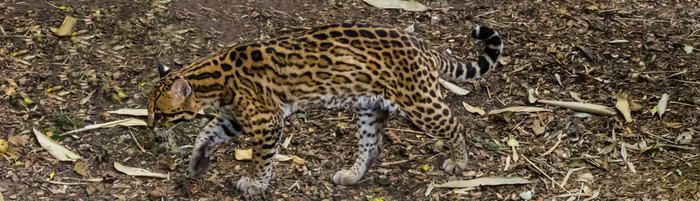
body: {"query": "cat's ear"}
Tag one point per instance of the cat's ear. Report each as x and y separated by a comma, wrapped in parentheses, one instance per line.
(163, 69)
(180, 91)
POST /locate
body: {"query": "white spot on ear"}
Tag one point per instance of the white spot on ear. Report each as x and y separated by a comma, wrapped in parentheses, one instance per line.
(163, 69)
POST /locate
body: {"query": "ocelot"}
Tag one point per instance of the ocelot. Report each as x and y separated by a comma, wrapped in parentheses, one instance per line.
(375, 68)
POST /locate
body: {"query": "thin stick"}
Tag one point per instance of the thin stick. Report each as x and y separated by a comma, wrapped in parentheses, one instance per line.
(66, 183)
(137, 142)
(393, 162)
(545, 174)
(555, 145)
(411, 131)
(3, 30)
(568, 174)
(486, 13)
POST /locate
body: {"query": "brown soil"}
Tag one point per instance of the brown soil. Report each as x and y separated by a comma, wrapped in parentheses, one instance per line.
(590, 48)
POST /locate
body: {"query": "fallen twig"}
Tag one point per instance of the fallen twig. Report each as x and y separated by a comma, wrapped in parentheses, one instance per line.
(66, 183)
(545, 174)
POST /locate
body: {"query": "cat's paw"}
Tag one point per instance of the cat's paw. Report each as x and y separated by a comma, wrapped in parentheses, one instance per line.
(456, 167)
(346, 177)
(198, 164)
(250, 186)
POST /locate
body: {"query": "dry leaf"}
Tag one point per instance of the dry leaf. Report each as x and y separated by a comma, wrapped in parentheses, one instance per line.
(576, 96)
(81, 167)
(410, 29)
(297, 160)
(287, 140)
(623, 106)
(663, 102)
(137, 171)
(584, 107)
(86, 99)
(19, 140)
(56, 150)
(430, 188)
(282, 158)
(66, 28)
(123, 122)
(4, 146)
(521, 109)
(531, 96)
(129, 111)
(406, 5)
(453, 88)
(243, 154)
(484, 181)
(247, 154)
(473, 109)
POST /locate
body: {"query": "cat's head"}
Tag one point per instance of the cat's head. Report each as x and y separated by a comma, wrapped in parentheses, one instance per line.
(171, 100)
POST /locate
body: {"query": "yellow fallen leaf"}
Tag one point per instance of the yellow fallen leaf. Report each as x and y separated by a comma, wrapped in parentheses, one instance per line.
(243, 154)
(674, 125)
(132, 171)
(56, 150)
(66, 28)
(247, 154)
(297, 160)
(426, 167)
(4, 145)
(512, 142)
(123, 122)
(406, 5)
(473, 109)
(623, 106)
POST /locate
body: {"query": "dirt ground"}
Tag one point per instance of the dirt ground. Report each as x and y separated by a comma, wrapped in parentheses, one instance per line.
(575, 50)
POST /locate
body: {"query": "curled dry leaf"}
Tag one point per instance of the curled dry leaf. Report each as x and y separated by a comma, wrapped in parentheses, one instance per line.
(453, 88)
(406, 5)
(473, 109)
(521, 109)
(56, 150)
(137, 171)
(123, 122)
(531, 96)
(584, 107)
(623, 106)
(129, 111)
(484, 181)
(663, 102)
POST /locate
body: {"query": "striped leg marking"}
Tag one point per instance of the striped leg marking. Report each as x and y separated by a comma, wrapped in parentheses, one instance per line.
(220, 129)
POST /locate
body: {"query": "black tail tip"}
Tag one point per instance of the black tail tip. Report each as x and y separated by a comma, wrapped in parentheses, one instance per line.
(481, 32)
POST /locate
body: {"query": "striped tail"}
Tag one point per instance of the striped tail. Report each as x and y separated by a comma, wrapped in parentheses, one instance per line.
(459, 69)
